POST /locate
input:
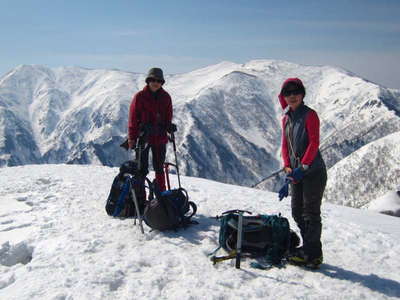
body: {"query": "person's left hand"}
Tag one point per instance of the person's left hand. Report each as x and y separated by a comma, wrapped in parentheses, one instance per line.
(296, 176)
(171, 128)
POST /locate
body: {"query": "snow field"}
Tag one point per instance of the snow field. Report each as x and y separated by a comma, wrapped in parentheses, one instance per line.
(57, 242)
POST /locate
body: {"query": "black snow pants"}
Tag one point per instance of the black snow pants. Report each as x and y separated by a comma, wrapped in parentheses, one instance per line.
(306, 210)
(158, 154)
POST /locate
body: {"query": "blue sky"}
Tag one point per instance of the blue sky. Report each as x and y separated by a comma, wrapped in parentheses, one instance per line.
(180, 36)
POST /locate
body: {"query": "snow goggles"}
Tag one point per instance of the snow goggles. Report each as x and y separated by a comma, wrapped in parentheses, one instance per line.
(155, 80)
(287, 93)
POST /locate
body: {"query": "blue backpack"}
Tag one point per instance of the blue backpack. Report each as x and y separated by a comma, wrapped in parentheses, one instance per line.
(119, 201)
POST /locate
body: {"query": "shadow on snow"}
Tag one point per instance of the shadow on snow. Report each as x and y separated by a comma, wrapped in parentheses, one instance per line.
(385, 286)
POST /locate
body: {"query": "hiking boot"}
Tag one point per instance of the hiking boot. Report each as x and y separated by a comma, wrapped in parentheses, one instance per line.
(314, 263)
(297, 257)
(300, 259)
(297, 260)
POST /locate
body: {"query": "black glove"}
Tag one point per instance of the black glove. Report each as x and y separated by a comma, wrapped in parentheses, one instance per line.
(171, 128)
(125, 145)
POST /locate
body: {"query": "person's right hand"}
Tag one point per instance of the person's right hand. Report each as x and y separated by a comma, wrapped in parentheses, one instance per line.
(131, 144)
(288, 170)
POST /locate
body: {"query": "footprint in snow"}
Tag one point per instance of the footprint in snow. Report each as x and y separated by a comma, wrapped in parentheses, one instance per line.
(15, 227)
(6, 222)
(11, 255)
(5, 282)
(25, 199)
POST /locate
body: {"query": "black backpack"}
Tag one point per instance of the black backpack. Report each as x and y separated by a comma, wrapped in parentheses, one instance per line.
(120, 202)
(263, 235)
(170, 210)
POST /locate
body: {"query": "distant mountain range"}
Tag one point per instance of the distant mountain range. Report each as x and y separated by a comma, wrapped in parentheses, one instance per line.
(228, 119)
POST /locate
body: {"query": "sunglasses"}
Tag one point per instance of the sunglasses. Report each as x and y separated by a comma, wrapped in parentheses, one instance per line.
(287, 93)
(155, 80)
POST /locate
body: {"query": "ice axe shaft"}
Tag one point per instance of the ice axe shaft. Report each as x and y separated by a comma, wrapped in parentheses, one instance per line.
(135, 202)
(268, 177)
(239, 240)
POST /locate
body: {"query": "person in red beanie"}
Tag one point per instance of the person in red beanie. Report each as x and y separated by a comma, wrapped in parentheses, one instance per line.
(305, 171)
(150, 113)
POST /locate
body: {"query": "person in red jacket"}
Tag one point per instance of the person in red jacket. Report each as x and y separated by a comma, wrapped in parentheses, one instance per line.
(150, 114)
(305, 170)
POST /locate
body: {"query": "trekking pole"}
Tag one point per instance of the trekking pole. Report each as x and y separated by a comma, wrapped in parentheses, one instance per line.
(138, 154)
(239, 240)
(268, 177)
(141, 145)
(138, 158)
(166, 171)
(139, 216)
(176, 159)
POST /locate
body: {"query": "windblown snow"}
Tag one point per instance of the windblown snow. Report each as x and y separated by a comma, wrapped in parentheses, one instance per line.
(388, 203)
(57, 242)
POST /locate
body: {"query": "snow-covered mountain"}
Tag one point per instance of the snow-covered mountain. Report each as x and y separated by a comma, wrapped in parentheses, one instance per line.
(372, 170)
(68, 115)
(57, 242)
(227, 114)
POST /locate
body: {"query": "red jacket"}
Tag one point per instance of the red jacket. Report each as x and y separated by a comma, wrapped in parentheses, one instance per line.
(151, 109)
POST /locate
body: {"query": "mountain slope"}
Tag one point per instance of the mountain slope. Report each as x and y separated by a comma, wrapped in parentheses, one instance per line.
(228, 116)
(371, 170)
(57, 242)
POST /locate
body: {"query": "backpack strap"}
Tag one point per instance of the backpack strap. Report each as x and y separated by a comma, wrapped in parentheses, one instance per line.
(191, 204)
(120, 203)
(151, 189)
(222, 232)
(186, 220)
(194, 209)
(125, 192)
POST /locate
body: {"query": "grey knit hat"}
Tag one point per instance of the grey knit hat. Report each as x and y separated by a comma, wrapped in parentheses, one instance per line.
(156, 73)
